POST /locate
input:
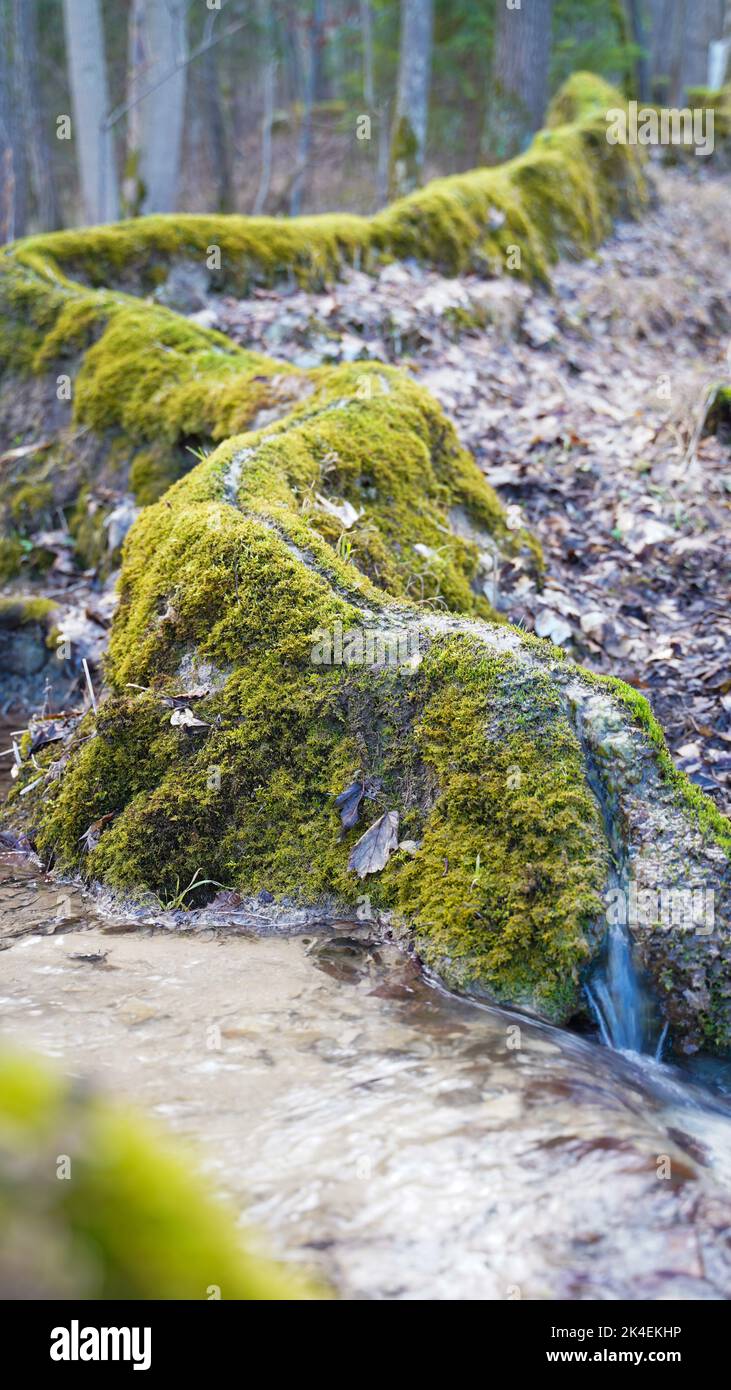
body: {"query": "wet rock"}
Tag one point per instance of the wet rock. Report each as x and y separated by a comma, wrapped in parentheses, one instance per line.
(186, 289)
(24, 651)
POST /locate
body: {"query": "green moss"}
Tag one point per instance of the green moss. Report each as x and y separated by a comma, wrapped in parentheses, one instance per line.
(404, 171)
(559, 196)
(719, 102)
(703, 810)
(580, 97)
(254, 250)
(505, 890)
(157, 377)
(16, 612)
(466, 221)
(86, 525)
(140, 376)
(152, 471)
(148, 386)
(31, 502)
(718, 415)
(283, 734)
(11, 556)
(133, 1223)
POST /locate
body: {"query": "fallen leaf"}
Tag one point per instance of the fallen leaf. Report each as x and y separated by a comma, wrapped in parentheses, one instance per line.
(348, 804)
(185, 719)
(551, 625)
(373, 850)
(344, 511)
(92, 834)
(183, 698)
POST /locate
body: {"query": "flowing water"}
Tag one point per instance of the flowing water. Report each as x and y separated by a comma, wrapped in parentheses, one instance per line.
(406, 1143)
(617, 998)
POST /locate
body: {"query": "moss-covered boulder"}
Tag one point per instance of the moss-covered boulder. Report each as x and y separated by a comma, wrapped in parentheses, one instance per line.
(94, 1204)
(256, 674)
(26, 625)
(102, 397)
(309, 696)
(718, 412)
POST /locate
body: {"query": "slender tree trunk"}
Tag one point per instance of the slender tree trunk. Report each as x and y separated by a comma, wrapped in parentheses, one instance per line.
(269, 79)
(719, 52)
(319, 78)
(12, 170)
(132, 189)
(157, 80)
(667, 34)
(90, 101)
(519, 93)
(642, 63)
(215, 128)
(408, 137)
(703, 24)
(30, 90)
(366, 30)
(309, 67)
(384, 153)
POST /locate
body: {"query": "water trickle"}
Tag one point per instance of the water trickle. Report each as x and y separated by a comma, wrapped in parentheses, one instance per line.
(616, 995)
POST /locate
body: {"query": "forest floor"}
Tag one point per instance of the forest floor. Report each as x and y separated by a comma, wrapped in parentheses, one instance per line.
(584, 408)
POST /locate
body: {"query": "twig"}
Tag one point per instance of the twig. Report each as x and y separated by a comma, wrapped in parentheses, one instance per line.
(85, 665)
(24, 790)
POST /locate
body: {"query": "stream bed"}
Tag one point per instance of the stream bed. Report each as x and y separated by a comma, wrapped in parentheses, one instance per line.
(405, 1143)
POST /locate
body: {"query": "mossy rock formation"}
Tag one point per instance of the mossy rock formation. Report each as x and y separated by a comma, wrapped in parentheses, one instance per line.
(310, 603)
(101, 391)
(94, 1204)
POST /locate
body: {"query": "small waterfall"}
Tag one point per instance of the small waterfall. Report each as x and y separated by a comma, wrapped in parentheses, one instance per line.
(616, 995)
(615, 992)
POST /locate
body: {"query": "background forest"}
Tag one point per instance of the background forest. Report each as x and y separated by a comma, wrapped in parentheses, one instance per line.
(112, 108)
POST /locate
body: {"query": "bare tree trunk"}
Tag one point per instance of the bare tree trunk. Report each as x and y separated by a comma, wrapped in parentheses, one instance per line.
(319, 78)
(90, 99)
(156, 87)
(384, 153)
(519, 93)
(366, 29)
(132, 189)
(642, 65)
(310, 67)
(215, 128)
(12, 170)
(269, 78)
(30, 89)
(703, 24)
(667, 40)
(408, 138)
(719, 52)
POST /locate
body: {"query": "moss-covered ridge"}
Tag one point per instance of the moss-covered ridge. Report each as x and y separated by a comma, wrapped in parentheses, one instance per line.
(101, 391)
(104, 393)
(503, 890)
(234, 603)
(150, 389)
(559, 196)
(126, 1220)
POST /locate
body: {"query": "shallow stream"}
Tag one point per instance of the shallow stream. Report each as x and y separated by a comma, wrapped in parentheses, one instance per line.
(407, 1143)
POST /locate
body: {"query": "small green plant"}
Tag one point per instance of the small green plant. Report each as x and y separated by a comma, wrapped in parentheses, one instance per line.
(344, 547)
(199, 454)
(177, 901)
